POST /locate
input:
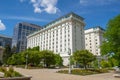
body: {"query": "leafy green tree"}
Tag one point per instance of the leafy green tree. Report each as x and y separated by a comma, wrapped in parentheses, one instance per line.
(33, 49)
(6, 53)
(83, 57)
(16, 59)
(31, 56)
(105, 64)
(112, 36)
(58, 60)
(95, 64)
(113, 62)
(48, 58)
(13, 50)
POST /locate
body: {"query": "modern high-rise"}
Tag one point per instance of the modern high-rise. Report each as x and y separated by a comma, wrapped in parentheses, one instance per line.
(1, 53)
(21, 30)
(4, 40)
(94, 39)
(63, 34)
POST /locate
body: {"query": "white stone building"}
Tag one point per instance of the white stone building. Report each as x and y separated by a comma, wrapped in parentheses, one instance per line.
(94, 39)
(64, 33)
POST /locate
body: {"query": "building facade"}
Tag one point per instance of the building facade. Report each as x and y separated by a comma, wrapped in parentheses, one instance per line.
(21, 30)
(94, 39)
(4, 40)
(62, 34)
(1, 53)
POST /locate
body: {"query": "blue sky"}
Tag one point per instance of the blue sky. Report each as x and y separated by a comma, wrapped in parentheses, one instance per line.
(41, 12)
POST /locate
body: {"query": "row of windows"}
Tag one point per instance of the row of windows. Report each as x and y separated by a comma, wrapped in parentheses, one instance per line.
(25, 27)
(53, 40)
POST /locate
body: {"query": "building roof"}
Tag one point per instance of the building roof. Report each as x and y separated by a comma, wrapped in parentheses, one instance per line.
(96, 27)
(30, 24)
(1, 35)
(65, 16)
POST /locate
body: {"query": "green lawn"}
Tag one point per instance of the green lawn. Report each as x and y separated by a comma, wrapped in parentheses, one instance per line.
(84, 72)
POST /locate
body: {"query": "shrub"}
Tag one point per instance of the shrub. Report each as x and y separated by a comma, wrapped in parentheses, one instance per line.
(10, 72)
(84, 71)
(105, 64)
(3, 69)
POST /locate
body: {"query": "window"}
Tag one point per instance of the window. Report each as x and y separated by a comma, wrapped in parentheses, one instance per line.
(61, 50)
(68, 39)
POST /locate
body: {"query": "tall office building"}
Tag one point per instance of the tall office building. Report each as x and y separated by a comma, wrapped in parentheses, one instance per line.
(60, 35)
(1, 53)
(21, 30)
(94, 39)
(4, 40)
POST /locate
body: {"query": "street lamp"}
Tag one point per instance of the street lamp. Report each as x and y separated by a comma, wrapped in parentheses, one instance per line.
(69, 53)
(26, 61)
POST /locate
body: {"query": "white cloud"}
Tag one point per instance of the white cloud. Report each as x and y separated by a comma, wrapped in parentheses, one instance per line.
(96, 2)
(37, 10)
(48, 6)
(2, 26)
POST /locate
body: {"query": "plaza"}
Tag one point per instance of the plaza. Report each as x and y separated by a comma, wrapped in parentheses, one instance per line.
(50, 74)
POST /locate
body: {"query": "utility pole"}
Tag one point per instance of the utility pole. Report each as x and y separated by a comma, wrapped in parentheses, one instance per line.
(26, 61)
(69, 53)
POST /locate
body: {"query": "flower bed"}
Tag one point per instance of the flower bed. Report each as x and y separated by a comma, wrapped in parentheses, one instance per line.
(10, 74)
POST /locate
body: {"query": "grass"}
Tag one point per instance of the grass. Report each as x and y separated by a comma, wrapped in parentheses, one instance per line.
(84, 71)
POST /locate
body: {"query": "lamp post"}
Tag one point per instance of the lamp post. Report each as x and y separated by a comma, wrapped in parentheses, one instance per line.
(69, 53)
(26, 61)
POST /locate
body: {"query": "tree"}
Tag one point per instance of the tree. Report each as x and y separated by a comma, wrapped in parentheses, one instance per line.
(16, 59)
(13, 50)
(33, 49)
(105, 64)
(83, 57)
(58, 60)
(112, 36)
(48, 58)
(6, 53)
(33, 57)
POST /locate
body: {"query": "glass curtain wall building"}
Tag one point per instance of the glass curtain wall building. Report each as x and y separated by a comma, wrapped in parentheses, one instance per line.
(21, 30)
(5, 40)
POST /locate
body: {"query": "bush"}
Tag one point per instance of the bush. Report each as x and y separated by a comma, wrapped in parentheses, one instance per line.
(105, 64)
(3, 69)
(10, 72)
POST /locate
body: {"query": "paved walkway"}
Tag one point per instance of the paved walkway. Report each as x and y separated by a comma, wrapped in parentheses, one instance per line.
(50, 74)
